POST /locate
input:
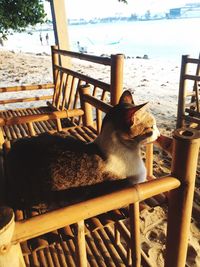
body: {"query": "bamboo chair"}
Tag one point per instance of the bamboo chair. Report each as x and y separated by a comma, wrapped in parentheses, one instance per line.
(62, 97)
(82, 234)
(189, 90)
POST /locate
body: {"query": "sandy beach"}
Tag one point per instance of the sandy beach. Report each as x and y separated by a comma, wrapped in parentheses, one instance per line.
(153, 81)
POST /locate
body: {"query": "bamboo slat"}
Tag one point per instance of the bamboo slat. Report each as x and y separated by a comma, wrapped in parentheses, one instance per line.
(98, 257)
(85, 78)
(41, 117)
(102, 247)
(28, 99)
(69, 258)
(26, 87)
(111, 248)
(118, 246)
(90, 257)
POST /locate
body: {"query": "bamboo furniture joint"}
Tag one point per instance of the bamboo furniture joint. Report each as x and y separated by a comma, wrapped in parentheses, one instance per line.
(90, 233)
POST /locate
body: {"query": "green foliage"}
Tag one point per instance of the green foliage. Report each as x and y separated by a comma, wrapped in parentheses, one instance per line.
(16, 15)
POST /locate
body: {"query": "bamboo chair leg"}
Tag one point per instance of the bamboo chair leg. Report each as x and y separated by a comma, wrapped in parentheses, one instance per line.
(184, 164)
(135, 234)
(81, 245)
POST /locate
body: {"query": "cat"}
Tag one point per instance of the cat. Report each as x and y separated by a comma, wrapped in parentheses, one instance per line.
(39, 166)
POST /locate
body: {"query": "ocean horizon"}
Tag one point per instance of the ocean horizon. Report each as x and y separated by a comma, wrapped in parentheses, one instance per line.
(167, 38)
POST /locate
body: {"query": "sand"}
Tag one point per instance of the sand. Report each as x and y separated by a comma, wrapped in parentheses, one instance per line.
(153, 81)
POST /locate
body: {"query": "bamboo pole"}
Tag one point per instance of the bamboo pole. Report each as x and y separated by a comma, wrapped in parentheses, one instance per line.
(80, 244)
(87, 57)
(46, 222)
(60, 26)
(116, 88)
(135, 234)
(28, 99)
(149, 160)
(87, 118)
(182, 92)
(41, 117)
(99, 104)
(184, 164)
(26, 87)
(10, 254)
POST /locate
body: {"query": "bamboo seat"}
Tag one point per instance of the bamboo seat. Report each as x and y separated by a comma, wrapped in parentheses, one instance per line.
(189, 91)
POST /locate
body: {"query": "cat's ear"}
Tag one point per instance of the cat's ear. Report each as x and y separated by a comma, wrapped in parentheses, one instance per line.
(126, 97)
(129, 113)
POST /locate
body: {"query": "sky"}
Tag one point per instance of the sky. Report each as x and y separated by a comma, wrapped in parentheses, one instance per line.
(103, 8)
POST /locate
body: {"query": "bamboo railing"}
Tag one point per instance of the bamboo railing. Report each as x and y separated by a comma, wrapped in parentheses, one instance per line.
(189, 111)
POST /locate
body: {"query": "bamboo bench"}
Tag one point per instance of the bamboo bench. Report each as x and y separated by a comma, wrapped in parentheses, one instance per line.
(90, 233)
(94, 234)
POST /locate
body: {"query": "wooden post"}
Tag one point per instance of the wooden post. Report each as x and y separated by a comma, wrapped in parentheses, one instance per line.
(117, 66)
(135, 234)
(56, 78)
(87, 117)
(60, 27)
(184, 164)
(182, 92)
(10, 254)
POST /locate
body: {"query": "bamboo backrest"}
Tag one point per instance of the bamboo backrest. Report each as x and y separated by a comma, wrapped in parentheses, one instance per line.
(68, 81)
(63, 94)
(189, 90)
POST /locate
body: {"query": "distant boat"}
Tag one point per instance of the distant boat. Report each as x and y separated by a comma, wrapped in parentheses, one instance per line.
(114, 42)
(81, 49)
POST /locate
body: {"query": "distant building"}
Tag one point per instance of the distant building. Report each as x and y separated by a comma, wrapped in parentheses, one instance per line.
(175, 12)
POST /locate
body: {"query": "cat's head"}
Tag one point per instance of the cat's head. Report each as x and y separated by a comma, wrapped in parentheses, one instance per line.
(132, 123)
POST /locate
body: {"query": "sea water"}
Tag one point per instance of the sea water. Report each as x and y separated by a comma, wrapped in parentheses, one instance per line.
(166, 38)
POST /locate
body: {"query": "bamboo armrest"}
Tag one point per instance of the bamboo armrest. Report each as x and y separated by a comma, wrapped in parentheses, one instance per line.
(41, 117)
(99, 104)
(45, 223)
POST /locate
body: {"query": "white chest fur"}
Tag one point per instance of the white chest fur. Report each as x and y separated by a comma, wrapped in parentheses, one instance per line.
(121, 161)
